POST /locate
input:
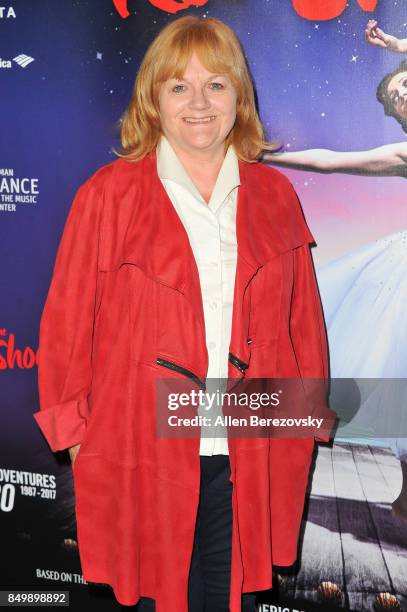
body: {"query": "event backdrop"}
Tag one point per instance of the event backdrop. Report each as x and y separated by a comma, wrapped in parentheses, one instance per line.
(66, 74)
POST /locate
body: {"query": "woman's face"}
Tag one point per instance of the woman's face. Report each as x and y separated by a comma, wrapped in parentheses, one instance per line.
(197, 112)
(397, 91)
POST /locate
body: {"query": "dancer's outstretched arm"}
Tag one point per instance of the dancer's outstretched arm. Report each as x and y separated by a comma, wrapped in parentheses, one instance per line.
(387, 160)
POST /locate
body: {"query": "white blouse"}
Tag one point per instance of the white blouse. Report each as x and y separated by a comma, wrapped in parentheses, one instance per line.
(211, 228)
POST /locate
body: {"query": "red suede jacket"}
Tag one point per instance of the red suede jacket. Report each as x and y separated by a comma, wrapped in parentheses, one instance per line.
(124, 301)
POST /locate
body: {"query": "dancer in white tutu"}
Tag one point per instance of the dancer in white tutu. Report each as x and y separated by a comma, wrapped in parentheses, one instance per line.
(364, 293)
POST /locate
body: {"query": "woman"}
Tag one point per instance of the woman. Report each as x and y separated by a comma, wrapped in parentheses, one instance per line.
(363, 291)
(149, 284)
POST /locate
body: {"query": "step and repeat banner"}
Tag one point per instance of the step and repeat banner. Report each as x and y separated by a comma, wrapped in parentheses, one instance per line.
(331, 84)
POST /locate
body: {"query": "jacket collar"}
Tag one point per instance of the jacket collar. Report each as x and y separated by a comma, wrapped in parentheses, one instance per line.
(142, 227)
(171, 266)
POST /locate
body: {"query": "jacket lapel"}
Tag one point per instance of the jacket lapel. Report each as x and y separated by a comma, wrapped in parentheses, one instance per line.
(174, 264)
(145, 230)
(267, 225)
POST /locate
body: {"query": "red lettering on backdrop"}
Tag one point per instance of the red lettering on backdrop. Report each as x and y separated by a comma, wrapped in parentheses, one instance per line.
(321, 10)
(21, 359)
(173, 7)
(170, 6)
(121, 8)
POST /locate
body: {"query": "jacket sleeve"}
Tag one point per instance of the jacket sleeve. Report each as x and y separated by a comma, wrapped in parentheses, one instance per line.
(67, 324)
(309, 340)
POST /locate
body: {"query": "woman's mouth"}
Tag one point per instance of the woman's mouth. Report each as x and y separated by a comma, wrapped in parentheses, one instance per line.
(199, 120)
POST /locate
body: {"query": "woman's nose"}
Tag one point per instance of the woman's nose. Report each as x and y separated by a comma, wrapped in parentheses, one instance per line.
(199, 98)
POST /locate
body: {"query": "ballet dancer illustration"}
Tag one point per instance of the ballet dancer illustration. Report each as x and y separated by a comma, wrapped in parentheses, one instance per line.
(366, 290)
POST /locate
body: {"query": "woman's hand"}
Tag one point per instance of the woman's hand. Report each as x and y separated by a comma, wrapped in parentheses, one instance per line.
(376, 37)
(73, 451)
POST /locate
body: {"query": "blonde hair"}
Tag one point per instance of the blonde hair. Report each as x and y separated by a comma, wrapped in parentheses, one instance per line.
(219, 49)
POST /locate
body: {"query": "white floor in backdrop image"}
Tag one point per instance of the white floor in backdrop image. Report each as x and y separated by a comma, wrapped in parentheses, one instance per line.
(353, 549)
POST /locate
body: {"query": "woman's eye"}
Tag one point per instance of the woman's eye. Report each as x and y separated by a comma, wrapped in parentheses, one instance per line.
(214, 85)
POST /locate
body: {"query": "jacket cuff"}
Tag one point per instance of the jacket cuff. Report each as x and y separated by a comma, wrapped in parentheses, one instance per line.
(63, 425)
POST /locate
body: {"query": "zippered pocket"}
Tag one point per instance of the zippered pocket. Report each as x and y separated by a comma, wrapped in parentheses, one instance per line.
(177, 368)
(238, 363)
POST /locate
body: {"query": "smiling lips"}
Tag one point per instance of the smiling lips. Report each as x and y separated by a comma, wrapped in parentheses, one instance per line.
(199, 119)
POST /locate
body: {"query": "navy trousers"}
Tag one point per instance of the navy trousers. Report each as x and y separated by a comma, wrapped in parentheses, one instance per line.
(209, 574)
